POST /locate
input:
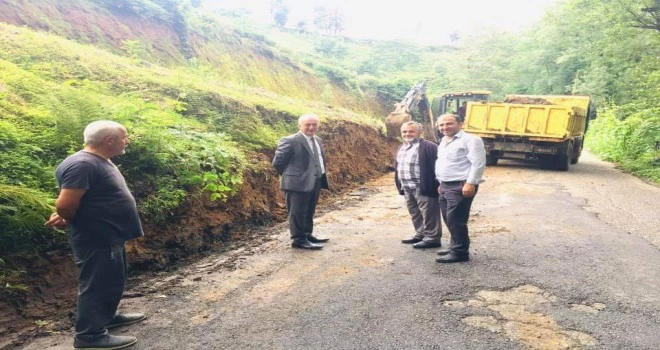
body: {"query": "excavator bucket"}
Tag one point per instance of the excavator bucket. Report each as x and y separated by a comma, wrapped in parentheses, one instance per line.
(394, 121)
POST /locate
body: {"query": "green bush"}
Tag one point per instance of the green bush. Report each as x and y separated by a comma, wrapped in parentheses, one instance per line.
(166, 164)
(633, 142)
(330, 48)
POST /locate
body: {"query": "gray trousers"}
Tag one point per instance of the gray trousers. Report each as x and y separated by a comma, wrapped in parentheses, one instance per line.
(301, 207)
(101, 285)
(455, 212)
(425, 214)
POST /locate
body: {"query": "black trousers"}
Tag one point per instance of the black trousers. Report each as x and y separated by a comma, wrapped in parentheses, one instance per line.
(455, 211)
(101, 285)
(301, 207)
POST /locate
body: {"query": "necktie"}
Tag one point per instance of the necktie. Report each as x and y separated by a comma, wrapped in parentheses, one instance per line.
(316, 152)
(316, 157)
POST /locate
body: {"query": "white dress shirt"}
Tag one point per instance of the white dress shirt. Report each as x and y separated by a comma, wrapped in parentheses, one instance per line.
(461, 158)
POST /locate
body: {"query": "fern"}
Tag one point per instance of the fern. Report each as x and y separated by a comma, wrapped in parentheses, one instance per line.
(22, 214)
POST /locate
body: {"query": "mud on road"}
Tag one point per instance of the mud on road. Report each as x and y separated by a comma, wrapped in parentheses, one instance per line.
(560, 260)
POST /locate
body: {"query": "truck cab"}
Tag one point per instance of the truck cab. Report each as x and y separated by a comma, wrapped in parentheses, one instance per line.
(455, 102)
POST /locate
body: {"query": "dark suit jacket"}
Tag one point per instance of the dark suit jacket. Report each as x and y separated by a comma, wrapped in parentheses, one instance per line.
(294, 161)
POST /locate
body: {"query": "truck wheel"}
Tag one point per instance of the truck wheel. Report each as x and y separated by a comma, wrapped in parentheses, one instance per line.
(563, 159)
(491, 159)
(577, 156)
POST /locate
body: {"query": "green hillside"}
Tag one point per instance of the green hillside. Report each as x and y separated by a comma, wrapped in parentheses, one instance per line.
(206, 97)
(204, 115)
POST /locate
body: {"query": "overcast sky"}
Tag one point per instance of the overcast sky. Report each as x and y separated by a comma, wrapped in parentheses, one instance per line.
(422, 21)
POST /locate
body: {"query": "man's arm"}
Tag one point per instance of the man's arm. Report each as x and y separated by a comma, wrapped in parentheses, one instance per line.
(283, 155)
(477, 157)
(476, 154)
(66, 207)
(68, 202)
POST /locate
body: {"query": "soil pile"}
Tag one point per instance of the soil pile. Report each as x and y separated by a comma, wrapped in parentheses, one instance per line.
(526, 100)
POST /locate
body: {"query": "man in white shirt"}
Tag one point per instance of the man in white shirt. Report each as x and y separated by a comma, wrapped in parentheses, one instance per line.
(459, 169)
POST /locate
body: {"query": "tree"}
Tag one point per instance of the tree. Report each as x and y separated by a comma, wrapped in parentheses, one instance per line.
(280, 12)
(454, 37)
(301, 27)
(648, 17)
(329, 21)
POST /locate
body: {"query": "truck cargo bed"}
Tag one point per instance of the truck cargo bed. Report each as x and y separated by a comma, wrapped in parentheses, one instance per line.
(550, 122)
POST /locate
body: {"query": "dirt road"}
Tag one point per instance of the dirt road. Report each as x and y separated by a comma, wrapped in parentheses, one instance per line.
(560, 260)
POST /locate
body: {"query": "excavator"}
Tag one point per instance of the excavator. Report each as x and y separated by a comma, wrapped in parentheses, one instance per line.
(450, 102)
(403, 112)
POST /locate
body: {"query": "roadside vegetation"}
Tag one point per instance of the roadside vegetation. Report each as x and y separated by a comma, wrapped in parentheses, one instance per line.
(199, 110)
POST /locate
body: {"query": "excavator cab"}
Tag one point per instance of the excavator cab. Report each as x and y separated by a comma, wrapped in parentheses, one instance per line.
(456, 102)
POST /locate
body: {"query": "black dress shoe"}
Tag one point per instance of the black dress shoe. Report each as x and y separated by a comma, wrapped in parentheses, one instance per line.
(306, 245)
(125, 319)
(107, 341)
(452, 257)
(317, 240)
(425, 244)
(444, 252)
(410, 240)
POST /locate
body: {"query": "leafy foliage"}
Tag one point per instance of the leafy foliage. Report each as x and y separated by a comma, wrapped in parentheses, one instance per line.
(330, 48)
(22, 214)
(634, 143)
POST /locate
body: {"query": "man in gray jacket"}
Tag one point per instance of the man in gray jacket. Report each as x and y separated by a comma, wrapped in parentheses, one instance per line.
(300, 160)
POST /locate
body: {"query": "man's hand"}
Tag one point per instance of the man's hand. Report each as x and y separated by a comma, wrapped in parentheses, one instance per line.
(469, 190)
(439, 189)
(56, 221)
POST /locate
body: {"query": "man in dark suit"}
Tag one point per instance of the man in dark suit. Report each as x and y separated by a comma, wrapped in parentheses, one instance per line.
(300, 160)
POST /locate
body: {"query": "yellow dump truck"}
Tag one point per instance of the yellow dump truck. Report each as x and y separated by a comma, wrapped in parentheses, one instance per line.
(549, 129)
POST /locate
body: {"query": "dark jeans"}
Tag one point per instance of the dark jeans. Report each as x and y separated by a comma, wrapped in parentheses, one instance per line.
(101, 285)
(455, 211)
(301, 207)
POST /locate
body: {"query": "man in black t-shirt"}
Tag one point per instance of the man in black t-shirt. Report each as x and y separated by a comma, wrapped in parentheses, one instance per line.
(96, 205)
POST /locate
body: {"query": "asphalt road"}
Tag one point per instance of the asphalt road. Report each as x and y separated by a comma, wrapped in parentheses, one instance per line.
(560, 260)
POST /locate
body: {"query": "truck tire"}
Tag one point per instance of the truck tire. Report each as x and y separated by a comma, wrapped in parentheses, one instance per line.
(491, 159)
(577, 154)
(563, 159)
